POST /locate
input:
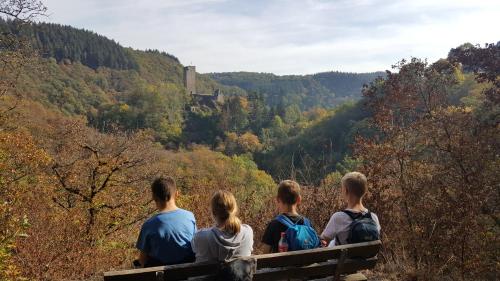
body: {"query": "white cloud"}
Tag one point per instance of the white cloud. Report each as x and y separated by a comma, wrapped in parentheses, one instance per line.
(287, 36)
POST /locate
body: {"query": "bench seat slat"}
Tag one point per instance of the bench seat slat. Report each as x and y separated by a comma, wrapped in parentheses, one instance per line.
(172, 272)
(361, 250)
(320, 270)
(288, 263)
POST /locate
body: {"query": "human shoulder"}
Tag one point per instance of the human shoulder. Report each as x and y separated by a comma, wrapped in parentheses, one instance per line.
(273, 228)
(201, 239)
(151, 221)
(185, 213)
(339, 216)
(204, 233)
(375, 219)
(179, 214)
(374, 216)
(303, 219)
(294, 218)
(274, 222)
(245, 228)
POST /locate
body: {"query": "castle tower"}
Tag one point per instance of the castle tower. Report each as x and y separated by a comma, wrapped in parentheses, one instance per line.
(190, 79)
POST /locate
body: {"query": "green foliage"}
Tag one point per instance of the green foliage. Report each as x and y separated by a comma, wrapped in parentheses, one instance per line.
(234, 115)
(148, 106)
(201, 127)
(78, 45)
(313, 153)
(200, 172)
(326, 89)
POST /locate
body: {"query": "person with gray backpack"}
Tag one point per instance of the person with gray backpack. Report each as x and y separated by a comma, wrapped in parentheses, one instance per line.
(356, 223)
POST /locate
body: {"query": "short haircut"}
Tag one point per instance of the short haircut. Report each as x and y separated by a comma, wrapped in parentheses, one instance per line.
(163, 188)
(355, 183)
(289, 192)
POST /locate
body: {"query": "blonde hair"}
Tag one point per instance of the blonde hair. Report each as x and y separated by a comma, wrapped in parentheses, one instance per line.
(225, 209)
(355, 183)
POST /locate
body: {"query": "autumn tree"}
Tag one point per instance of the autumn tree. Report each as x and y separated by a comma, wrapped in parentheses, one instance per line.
(240, 144)
(234, 115)
(102, 175)
(15, 51)
(432, 168)
(20, 158)
(21, 166)
(97, 195)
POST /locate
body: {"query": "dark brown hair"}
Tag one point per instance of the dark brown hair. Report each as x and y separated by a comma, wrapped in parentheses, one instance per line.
(289, 192)
(355, 183)
(163, 188)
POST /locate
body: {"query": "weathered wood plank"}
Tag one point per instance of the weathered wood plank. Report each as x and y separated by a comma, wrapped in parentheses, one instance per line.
(314, 271)
(305, 257)
(288, 263)
(171, 272)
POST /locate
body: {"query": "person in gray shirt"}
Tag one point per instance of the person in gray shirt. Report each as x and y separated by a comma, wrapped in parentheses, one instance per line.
(354, 188)
(228, 238)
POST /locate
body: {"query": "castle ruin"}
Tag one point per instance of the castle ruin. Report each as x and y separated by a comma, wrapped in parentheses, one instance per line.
(201, 99)
(190, 79)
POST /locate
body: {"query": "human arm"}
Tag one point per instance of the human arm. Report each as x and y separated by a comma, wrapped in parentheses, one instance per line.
(143, 258)
(143, 246)
(270, 237)
(330, 231)
(266, 249)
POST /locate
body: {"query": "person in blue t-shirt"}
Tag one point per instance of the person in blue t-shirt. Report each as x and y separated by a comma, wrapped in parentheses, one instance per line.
(166, 237)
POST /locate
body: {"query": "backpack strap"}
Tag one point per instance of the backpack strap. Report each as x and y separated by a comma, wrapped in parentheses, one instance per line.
(354, 216)
(285, 220)
(306, 221)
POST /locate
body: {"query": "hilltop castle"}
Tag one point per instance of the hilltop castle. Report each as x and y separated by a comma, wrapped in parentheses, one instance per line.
(200, 99)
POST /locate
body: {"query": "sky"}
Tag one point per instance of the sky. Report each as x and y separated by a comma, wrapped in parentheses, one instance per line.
(287, 36)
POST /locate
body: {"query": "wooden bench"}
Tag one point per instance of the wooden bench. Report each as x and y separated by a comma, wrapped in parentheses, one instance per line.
(316, 263)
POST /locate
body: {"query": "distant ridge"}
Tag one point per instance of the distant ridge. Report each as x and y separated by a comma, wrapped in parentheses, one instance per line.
(326, 89)
(63, 42)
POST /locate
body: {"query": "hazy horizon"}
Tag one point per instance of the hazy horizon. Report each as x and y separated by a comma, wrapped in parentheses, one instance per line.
(286, 37)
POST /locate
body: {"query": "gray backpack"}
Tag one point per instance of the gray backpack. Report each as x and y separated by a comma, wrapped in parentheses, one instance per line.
(237, 270)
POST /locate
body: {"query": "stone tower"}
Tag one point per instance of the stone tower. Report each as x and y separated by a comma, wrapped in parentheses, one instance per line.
(190, 79)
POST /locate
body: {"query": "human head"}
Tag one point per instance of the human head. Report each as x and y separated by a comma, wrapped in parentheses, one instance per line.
(288, 194)
(225, 210)
(163, 190)
(354, 186)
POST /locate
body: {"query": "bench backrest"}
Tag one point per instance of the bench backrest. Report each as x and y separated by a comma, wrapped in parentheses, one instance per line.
(320, 262)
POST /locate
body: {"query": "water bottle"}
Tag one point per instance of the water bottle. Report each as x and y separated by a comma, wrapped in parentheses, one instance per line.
(282, 244)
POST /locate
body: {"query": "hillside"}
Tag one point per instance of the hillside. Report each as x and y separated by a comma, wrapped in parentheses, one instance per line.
(314, 153)
(327, 89)
(83, 73)
(88, 125)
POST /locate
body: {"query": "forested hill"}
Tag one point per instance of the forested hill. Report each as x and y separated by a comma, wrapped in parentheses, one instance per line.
(65, 42)
(83, 73)
(322, 89)
(69, 45)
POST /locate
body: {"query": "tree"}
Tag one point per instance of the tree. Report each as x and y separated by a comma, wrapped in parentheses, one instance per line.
(22, 163)
(259, 112)
(16, 51)
(428, 156)
(234, 115)
(246, 143)
(102, 175)
(20, 159)
(485, 63)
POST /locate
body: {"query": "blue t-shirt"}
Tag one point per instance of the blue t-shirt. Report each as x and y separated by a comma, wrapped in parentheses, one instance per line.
(167, 236)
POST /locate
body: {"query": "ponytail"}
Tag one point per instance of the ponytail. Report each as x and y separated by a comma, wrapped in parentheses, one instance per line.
(233, 224)
(225, 210)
